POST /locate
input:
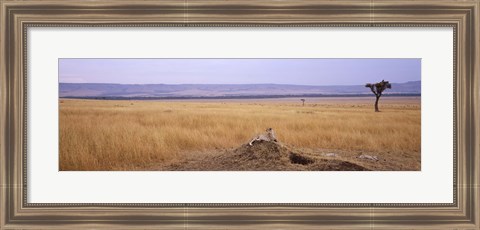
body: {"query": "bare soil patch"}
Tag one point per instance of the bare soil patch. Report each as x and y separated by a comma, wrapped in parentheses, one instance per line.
(268, 156)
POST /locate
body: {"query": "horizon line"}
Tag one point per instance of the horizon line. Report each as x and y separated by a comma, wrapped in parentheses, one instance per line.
(212, 83)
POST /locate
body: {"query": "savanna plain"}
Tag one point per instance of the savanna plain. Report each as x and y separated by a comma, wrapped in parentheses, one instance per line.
(324, 134)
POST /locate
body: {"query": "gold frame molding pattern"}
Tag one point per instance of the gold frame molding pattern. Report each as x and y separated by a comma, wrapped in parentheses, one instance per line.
(17, 16)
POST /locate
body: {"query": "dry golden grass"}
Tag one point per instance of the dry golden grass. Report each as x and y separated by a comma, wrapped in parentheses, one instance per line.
(127, 135)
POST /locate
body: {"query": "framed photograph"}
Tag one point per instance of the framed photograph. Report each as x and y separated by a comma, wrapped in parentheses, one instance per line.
(240, 115)
(202, 114)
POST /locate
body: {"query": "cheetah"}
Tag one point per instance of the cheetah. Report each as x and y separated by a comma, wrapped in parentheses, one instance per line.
(268, 136)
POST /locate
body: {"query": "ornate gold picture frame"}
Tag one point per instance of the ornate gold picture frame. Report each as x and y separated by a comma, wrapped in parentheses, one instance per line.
(17, 16)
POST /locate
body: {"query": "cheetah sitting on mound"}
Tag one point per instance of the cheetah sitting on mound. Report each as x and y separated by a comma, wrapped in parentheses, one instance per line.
(268, 136)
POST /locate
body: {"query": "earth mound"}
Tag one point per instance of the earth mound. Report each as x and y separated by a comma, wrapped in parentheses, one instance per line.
(267, 156)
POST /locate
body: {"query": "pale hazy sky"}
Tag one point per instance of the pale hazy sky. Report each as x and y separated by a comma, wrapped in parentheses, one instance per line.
(239, 71)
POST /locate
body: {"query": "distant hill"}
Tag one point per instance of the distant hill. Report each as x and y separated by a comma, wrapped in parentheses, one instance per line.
(101, 90)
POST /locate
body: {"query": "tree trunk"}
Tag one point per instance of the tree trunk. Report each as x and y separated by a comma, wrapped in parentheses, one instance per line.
(376, 104)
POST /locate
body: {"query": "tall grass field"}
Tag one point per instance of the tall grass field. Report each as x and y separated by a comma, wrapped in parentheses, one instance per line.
(134, 135)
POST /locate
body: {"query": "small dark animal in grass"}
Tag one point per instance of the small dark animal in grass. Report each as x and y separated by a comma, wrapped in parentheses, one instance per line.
(269, 135)
(377, 89)
(303, 101)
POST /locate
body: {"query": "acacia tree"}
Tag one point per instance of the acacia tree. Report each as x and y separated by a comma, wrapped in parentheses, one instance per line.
(303, 101)
(377, 89)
